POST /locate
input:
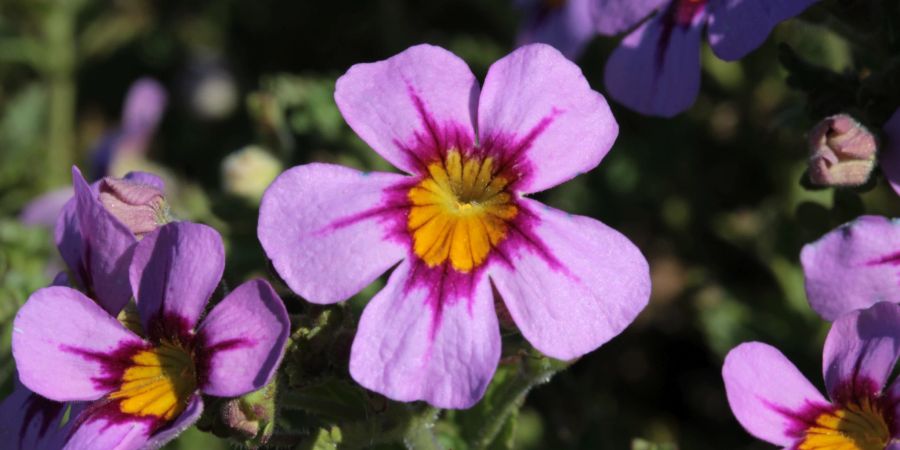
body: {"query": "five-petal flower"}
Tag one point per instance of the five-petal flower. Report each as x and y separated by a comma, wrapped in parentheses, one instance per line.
(459, 223)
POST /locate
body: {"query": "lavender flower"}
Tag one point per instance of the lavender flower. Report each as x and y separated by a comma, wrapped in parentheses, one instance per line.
(853, 267)
(459, 221)
(145, 390)
(656, 69)
(96, 232)
(777, 404)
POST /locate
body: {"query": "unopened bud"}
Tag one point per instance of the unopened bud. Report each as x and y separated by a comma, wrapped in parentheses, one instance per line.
(842, 152)
(248, 172)
(251, 418)
(140, 207)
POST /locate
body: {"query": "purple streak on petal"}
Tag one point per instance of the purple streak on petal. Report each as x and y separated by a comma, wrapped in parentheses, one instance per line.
(39, 408)
(680, 14)
(636, 76)
(800, 420)
(112, 364)
(32, 422)
(446, 285)
(203, 359)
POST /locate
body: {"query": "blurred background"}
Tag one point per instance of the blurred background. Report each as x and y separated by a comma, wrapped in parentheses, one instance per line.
(713, 197)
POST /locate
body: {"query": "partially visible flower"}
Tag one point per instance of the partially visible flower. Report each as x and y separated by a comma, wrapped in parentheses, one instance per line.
(459, 222)
(853, 267)
(889, 159)
(31, 422)
(776, 403)
(143, 109)
(567, 25)
(96, 233)
(842, 152)
(656, 69)
(144, 106)
(248, 172)
(146, 390)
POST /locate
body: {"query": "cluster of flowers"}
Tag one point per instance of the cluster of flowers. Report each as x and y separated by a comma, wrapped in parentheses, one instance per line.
(656, 69)
(457, 228)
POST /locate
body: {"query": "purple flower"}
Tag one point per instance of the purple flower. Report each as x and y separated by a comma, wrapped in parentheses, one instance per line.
(143, 109)
(31, 422)
(96, 239)
(567, 25)
(776, 403)
(853, 267)
(458, 222)
(890, 156)
(656, 69)
(145, 390)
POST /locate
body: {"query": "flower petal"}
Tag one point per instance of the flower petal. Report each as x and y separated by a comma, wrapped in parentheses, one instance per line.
(889, 159)
(174, 272)
(853, 267)
(422, 95)
(656, 69)
(538, 109)
(580, 290)
(31, 422)
(120, 433)
(407, 351)
(616, 16)
(323, 228)
(54, 335)
(767, 394)
(860, 351)
(737, 27)
(44, 210)
(243, 340)
(96, 246)
(567, 28)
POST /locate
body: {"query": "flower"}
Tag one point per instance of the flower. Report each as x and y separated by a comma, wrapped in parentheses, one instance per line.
(99, 227)
(853, 267)
(656, 69)
(31, 422)
(567, 25)
(143, 109)
(459, 223)
(776, 403)
(842, 152)
(145, 390)
(889, 159)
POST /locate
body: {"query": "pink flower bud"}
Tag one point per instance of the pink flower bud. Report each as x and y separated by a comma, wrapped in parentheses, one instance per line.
(842, 152)
(140, 207)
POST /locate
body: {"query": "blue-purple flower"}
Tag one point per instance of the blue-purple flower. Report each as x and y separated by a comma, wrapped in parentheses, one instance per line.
(567, 25)
(656, 68)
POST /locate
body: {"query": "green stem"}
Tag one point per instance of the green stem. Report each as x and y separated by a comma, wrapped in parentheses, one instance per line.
(509, 398)
(59, 72)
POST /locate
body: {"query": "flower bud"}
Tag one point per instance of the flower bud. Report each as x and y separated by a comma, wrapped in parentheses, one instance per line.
(140, 207)
(842, 152)
(251, 418)
(248, 172)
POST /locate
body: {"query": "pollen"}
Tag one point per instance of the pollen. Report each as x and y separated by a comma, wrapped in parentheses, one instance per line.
(158, 382)
(460, 211)
(854, 427)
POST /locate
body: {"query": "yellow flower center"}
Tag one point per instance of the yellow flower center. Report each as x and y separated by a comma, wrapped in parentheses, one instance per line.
(158, 383)
(460, 211)
(854, 427)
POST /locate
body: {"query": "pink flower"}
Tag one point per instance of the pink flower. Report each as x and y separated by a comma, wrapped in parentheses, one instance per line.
(458, 222)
